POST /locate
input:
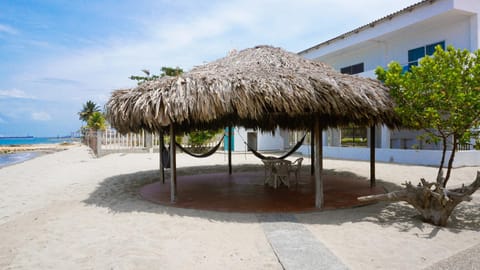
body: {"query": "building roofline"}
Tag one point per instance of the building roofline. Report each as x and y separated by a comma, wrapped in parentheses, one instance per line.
(370, 25)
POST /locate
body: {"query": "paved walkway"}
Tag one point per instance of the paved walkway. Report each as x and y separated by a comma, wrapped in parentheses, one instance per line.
(467, 259)
(295, 246)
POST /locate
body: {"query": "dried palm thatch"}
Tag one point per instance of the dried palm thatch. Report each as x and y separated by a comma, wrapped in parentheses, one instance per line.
(260, 87)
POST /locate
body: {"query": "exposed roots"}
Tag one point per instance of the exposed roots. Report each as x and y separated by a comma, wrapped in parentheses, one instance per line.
(434, 202)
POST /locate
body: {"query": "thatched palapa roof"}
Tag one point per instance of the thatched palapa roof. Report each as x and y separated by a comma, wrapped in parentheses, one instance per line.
(260, 87)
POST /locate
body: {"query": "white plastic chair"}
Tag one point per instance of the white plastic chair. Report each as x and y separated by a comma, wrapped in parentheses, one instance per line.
(280, 173)
(295, 168)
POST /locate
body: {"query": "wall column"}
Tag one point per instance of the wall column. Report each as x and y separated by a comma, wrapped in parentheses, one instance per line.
(160, 154)
(372, 156)
(173, 166)
(474, 33)
(312, 151)
(318, 134)
(98, 147)
(230, 145)
(385, 137)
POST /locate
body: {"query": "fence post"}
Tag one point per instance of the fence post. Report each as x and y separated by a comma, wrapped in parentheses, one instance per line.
(99, 143)
(148, 141)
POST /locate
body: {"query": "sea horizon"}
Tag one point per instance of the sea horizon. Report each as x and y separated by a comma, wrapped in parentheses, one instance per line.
(27, 140)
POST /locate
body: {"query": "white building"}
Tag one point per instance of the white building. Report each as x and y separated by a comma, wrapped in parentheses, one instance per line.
(405, 37)
(257, 140)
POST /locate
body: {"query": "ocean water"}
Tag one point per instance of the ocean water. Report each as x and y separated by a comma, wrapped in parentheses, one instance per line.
(32, 140)
(9, 159)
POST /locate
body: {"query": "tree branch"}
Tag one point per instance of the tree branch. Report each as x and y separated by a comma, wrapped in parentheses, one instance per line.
(443, 195)
(395, 196)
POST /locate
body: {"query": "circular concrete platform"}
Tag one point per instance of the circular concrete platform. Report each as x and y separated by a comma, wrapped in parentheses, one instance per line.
(246, 192)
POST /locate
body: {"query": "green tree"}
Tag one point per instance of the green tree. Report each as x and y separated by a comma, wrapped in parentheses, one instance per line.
(96, 121)
(88, 109)
(442, 97)
(166, 71)
(198, 138)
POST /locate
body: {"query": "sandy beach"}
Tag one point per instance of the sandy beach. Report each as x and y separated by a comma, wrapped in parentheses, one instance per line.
(5, 149)
(71, 210)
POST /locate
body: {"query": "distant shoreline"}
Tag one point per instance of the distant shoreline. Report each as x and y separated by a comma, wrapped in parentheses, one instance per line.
(30, 140)
(14, 154)
(9, 149)
(17, 137)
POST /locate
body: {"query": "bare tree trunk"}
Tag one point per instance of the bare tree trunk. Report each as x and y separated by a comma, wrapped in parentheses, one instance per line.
(435, 205)
(450, 161)
(440, 168)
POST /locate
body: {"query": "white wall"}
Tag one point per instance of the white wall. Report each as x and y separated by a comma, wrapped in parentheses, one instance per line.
(265, 141)
(467, 158)
(239, 135)
(454, 21)
(401, 156)
(454, 31)
(428, 14)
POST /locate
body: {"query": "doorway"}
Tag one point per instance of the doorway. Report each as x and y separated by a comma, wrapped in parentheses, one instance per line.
(252, 140)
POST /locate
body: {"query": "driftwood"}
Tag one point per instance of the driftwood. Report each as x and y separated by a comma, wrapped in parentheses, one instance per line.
(434, 202)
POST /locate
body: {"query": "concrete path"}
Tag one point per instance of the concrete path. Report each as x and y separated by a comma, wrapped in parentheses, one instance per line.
(295, 246)
(467, 259)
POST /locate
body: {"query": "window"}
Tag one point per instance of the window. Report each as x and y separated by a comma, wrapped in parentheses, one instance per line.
(353, 136)
(353, 69)
(430, 49)
(415, 54)
(295, 136)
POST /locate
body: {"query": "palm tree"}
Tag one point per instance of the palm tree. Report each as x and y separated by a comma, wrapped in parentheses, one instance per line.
(88, 109)
(96, 121)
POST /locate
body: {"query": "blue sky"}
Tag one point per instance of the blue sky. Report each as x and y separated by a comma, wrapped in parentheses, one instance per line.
(55, 55)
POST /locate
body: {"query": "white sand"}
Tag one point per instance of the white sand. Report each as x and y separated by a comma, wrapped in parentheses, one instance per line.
(69, 210)
(35, 147)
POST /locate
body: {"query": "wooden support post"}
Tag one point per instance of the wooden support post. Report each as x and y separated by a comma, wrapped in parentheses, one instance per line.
(318, 165)
(230, 150)
(98, 143)
(160, 150)
(173, 166)
(372, 156)
(312, 151)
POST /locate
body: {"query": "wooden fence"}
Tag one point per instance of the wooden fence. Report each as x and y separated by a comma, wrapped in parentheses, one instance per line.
(110, 141)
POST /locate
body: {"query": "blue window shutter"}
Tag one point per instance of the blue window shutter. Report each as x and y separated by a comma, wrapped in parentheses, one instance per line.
(358, 68)
(411, 64)
(346, 70)
(415, 54)
(353, 69)
(431, 48)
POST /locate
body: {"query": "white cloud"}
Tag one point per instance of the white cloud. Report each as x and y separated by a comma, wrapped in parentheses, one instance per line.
(41, 116)
(8, 29)
(164, 33)
(190, 38)
(14, 93)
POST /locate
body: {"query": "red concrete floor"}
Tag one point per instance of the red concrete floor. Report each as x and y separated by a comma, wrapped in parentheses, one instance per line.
(245, 192)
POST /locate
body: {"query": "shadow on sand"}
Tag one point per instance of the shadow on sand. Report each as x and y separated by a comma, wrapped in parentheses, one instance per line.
(121, 194)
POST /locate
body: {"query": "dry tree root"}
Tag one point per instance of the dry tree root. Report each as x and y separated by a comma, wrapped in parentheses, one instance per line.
(434, 202)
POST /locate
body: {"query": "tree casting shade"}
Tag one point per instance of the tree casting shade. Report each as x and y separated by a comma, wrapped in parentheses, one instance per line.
(261, 87)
